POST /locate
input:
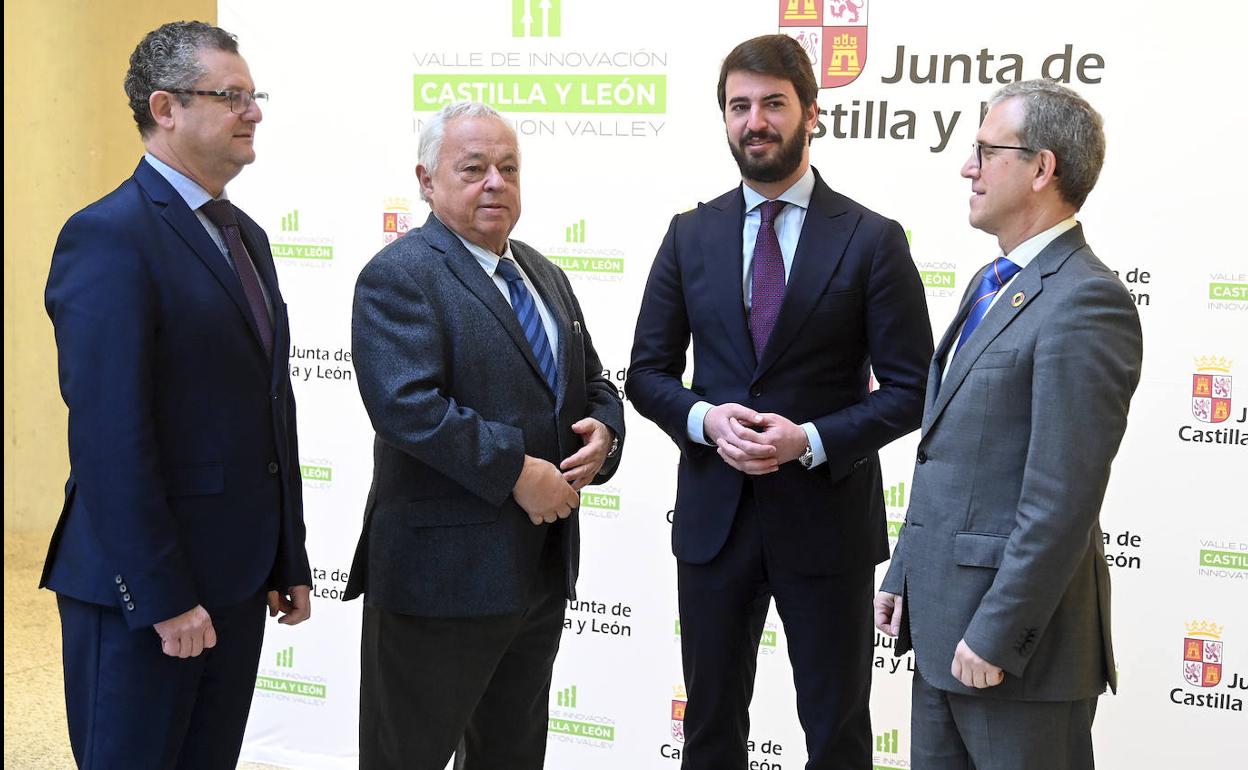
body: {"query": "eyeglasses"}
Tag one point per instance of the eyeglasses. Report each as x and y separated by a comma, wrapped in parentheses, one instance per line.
(979, 150)
(239, 100)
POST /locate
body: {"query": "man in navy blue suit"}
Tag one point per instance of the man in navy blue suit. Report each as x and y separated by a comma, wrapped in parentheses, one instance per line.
(183, 505)
(792, 295)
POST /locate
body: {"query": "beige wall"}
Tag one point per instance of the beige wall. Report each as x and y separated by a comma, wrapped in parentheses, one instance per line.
(68, 139)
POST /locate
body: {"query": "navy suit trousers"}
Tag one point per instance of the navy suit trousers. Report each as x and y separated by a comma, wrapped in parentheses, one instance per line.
(131, 707)
(827, 624)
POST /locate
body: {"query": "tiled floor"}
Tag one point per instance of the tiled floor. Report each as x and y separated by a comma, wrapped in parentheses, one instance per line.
(34, 707)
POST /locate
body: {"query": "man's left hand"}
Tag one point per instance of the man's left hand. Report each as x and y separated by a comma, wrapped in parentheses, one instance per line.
(786, 436)
(295, 605)
(580, 468)
(972, 670)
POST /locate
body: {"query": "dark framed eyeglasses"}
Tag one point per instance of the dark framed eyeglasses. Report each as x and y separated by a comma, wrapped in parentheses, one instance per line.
(980, 147)
(239, 100)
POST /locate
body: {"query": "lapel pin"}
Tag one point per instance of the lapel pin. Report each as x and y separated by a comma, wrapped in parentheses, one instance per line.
(1017, 299)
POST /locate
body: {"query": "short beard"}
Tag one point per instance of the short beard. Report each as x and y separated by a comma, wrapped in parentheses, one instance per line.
(767, 171)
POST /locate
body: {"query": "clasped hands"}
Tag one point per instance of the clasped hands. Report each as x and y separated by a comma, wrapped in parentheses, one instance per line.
(547, 493)
(967, 667)
(752, 442)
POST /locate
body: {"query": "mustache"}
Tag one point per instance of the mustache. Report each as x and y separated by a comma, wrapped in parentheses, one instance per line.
(773, 136)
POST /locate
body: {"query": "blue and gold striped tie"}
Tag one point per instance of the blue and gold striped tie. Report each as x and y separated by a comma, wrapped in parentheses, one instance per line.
(997, 275)
(530, 320)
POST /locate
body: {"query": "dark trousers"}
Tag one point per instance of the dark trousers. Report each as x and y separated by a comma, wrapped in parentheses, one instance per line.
(130, 706)
(827, 621)
(430, 685)
(951, 731)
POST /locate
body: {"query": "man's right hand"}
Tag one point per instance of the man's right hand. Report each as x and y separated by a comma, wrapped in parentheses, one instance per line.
(888, 612)
(543, 493)
(731, 428)
(188, 634)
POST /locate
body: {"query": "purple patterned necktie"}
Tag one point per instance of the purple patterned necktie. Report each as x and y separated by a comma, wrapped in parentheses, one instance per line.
(221, 212)
(767, 278)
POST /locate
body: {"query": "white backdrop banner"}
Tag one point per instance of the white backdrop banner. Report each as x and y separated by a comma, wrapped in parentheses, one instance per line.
(619, 127)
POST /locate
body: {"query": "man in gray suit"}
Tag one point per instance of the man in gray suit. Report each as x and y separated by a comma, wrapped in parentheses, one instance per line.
(998, 581)
(491, 412)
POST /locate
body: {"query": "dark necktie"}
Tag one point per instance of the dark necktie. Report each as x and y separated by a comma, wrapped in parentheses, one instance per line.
(530, 320)
(996, 276)
(221, 213)
(767, 277)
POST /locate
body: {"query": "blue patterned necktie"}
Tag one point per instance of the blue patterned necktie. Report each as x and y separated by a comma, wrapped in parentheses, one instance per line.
(996, 276)
(530, 320)
(767, 277)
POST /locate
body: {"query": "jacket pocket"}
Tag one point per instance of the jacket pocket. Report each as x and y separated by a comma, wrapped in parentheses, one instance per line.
(193, 480)
(995, 359)
(450, 512)
(979, 549)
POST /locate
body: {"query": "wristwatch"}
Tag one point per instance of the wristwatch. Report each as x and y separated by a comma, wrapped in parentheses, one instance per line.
(807, 457)
(615, 446)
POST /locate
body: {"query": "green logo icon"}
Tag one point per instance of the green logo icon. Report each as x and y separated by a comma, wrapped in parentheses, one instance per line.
(887, 743)
(575, 232)
(536, 18)
(286, 658)
(566, 698)
(290, 222)
(895, 496)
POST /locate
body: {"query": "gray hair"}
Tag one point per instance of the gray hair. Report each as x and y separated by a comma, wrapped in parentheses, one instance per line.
(432, 132)
(1056, 118)
(167, 59)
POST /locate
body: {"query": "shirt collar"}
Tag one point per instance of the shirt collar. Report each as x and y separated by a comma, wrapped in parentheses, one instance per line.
(1025, 252)
(486, 258)
(797, 195)
(194, 195)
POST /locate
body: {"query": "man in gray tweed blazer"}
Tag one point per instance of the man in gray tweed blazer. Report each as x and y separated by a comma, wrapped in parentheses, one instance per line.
(491, 412)
(998, 581)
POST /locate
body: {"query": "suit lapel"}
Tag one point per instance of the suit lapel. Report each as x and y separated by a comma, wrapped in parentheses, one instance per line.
(1024, 290)
(469, 272)
(721, 264)
(262, 258)
(187, 225)
(820, 248)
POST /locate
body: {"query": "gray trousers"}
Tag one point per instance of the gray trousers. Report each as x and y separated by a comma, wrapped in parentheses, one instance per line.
(950, 731)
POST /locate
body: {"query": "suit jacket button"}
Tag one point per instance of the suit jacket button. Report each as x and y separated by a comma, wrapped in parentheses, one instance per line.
(122, 588)
(922, 457)
(130, 606)
(757, 393)
(117, 579)
(125, 597)
(272, 467)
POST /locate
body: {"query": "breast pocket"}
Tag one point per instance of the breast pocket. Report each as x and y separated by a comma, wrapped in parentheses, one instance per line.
(996, 359)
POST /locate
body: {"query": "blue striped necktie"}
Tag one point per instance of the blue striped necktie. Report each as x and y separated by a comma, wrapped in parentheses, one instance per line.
(997, 275)
(530, 320)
